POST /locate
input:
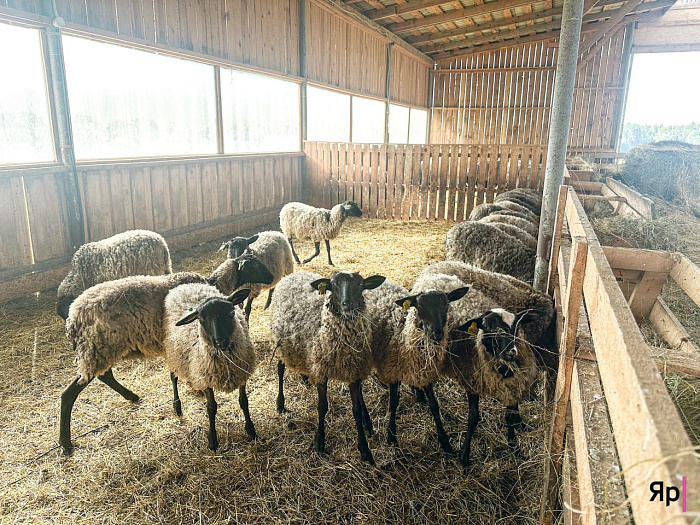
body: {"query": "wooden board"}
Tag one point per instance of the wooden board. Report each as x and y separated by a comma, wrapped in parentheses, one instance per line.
(642, 205)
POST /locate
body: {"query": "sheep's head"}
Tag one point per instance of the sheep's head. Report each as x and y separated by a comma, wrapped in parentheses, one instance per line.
(431, 310)
(63, 305)
(215, 316)
(350, 209)
(500, 331)
(346, 290)
(237, 246)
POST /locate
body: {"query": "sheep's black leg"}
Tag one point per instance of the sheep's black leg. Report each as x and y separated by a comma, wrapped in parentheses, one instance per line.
(68, 398)
(362, 446)
(318, 250)
(420, 395)
(393, 405)
(280, 388)
(248, 306)
(513, 422)
(320, 439)
(435, 411)
(243, 403)
(328, 251)
(305, 379)
(177, 404)
(291, 245)
(269, 299)
(366, 420)
(211, 412)
(108, 379)
(472, 421)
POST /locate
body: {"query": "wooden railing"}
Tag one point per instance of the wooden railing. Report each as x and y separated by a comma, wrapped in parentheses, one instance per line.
(438, 181)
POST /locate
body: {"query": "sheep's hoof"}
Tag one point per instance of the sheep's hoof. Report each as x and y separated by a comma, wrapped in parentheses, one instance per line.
(213, 445)
(134, 398)
(391, 440)
(320, 445)
(280, 406)
(368, 458)
(68, 450)
(250, 430)
(177, 407)
(447, 448)
(464, 459)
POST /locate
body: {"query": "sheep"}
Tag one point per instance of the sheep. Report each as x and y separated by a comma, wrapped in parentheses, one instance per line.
(484, 210)
(214, 354)
(134, 252)
(528, 240)
(273, 250)
(489, 248)
(121, 319)
(516, 206)
(494, 360)
(523, 224)
(523, 196)
(316, 224)
(410, 341)
(321, 329)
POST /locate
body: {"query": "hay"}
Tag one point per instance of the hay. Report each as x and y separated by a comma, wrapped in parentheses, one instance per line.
(148, 466)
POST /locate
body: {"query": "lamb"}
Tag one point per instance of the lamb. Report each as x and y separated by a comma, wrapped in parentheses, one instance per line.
(410, 340)
(523, 224)
(121, 319)
(489, 248)
(214, 354)
(316, 224)
(495, 360)
(321, 329)
(273, 250)
(134, 252)
(484, 210)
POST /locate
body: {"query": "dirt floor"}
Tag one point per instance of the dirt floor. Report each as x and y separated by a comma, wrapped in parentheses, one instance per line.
(139, 463)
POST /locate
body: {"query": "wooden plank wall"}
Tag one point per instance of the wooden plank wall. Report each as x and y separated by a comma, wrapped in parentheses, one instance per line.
(431, 182)
(409, 78)
(504, 97)
(262, 33)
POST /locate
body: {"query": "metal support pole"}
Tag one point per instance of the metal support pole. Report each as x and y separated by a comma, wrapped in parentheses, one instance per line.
(558, 132)
(59, 101)
(387, 91)
(303, 122)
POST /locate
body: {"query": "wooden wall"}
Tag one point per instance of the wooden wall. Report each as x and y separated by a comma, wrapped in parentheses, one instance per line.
(409, 78)
(431, 182)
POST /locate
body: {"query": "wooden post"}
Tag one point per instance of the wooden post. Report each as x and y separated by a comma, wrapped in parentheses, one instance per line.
(570, 309)
(558, 132)
(625, 75)
(219, 112)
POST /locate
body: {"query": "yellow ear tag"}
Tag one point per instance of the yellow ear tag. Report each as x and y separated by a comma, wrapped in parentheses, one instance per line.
(240, 265)
(406, 305)
(473, 329)
(322, 288)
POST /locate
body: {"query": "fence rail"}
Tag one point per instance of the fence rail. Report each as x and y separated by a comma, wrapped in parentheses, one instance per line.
(429, 182)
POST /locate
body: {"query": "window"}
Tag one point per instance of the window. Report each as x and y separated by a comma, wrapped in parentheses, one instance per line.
(327, 115)
(398, 124)
(418, 131)
(367, 120)
(260, 113)
(130, 103)
(25, 127)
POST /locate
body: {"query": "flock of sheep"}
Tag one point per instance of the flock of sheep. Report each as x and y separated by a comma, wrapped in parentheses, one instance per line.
(471, 318)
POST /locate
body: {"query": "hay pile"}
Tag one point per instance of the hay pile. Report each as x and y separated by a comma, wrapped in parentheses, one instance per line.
(669, 170)
(141, 464)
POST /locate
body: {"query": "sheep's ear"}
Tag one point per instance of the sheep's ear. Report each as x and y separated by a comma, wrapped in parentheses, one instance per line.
(224, 246)
(193, 315)
(457, 294)
(252, 239)
(406, 302)
(239, 296)
(524, 317)
(373, 282)
(472, 326)
(322, 285)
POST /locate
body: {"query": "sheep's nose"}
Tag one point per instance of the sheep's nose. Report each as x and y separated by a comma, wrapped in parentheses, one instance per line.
(436, 335)
(511, 353)
(346, 305)
(221, 343)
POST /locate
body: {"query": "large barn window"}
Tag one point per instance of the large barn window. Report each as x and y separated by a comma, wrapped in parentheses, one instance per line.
(327, 115)
(367, 120)
(25, 128)
(130, 103)
(261, 114)
(418, 130)
(398, 124)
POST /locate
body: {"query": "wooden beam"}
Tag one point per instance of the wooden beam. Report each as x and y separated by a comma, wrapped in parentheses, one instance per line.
(497, 45)
(556, 238)
(640, 260)
(587, 186)
(651, 441)
(570, 503)
(645, 293)
(622, 208)
(670, 328)
(676, 360)
(687, 275)
(583, 197)
(643, 205)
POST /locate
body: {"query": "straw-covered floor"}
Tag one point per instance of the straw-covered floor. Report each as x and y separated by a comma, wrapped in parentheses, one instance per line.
(139, 463)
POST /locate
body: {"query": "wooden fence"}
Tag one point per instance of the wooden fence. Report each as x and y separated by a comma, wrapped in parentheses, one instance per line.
(187, 200)
(438, 182)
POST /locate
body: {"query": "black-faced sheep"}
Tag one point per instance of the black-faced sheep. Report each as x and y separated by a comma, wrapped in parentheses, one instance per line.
(315, 224)
(134, 252)
(214, 354)
(321, 329)
(274, 252)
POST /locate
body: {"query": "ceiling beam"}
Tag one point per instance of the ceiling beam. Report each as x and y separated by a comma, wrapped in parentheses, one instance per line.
(539, 37)
(607, 27)
(400, 9)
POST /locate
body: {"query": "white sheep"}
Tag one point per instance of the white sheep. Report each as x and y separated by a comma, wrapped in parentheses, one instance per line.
(321, 329)
(214, 354)
(315, 224)
(528, 240)
(134, 252)
(273, 250)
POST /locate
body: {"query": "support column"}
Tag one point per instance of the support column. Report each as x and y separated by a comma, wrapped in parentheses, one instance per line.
(558, 132)
(387, 91)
